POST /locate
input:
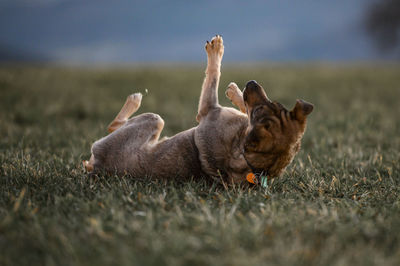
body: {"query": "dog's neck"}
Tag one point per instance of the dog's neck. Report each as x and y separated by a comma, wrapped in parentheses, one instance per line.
(243, 135)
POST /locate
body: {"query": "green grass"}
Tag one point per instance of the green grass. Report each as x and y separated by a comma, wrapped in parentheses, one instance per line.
(337, 204)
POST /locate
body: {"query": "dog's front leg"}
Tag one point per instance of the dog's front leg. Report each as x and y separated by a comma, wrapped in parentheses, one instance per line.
(209, 91)
(234, 94)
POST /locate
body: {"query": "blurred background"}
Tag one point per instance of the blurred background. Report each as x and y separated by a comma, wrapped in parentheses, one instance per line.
(122, 31)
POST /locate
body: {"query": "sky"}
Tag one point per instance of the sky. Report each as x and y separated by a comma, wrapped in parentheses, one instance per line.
(122, 31)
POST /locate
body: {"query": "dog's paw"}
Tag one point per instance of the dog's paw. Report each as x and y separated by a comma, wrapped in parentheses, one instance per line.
(233, 91)
(215, 48)
(134, 101)
(135, 98)
(88, 165)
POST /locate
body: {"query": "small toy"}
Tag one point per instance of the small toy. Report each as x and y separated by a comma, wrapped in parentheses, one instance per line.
(257, 179)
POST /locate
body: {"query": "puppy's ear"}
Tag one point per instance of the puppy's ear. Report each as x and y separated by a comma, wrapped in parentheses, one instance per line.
(302, 109)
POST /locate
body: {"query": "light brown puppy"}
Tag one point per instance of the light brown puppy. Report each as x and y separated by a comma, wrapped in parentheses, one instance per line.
(227, 143)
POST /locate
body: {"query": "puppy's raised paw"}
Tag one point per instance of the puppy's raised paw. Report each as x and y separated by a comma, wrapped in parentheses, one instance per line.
(233, 91)
(215, 48)
(234, 94)
(135, 100)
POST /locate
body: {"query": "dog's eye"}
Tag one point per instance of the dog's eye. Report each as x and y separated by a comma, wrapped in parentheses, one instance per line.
(264, 120)
(267, 125)
(257, 110)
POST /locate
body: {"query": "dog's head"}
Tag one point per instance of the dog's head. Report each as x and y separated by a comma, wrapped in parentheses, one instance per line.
(274, 133)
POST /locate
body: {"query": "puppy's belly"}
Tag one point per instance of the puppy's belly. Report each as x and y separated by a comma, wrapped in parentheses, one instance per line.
(175, 157)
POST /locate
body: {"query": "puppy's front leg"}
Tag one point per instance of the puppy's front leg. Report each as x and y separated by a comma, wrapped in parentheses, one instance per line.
(234, 94)
(209, 91)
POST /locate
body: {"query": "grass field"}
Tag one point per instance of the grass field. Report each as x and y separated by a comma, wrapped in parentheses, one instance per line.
(337, 204)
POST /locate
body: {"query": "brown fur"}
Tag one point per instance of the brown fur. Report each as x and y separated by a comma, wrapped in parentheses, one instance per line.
(227, 143)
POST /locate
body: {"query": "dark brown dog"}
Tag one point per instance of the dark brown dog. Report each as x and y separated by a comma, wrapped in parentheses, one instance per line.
(263, 137)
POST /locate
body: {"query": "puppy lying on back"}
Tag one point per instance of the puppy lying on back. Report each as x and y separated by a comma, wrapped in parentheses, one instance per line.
(262, 137)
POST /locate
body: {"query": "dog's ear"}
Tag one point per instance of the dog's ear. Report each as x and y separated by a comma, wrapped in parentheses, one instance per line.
(302, 109)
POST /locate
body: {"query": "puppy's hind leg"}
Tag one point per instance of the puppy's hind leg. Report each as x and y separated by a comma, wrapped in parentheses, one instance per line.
(131, 105)
(209, 91)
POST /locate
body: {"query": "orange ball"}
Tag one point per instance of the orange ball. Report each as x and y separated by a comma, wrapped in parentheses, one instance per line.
(251, 178)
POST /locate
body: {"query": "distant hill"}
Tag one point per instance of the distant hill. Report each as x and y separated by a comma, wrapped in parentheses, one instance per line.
(9, 53)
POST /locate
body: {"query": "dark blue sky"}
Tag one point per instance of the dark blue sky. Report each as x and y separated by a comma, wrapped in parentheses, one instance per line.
(137, 31)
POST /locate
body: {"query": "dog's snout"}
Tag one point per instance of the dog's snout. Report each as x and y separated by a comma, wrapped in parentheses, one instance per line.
(251, 84)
